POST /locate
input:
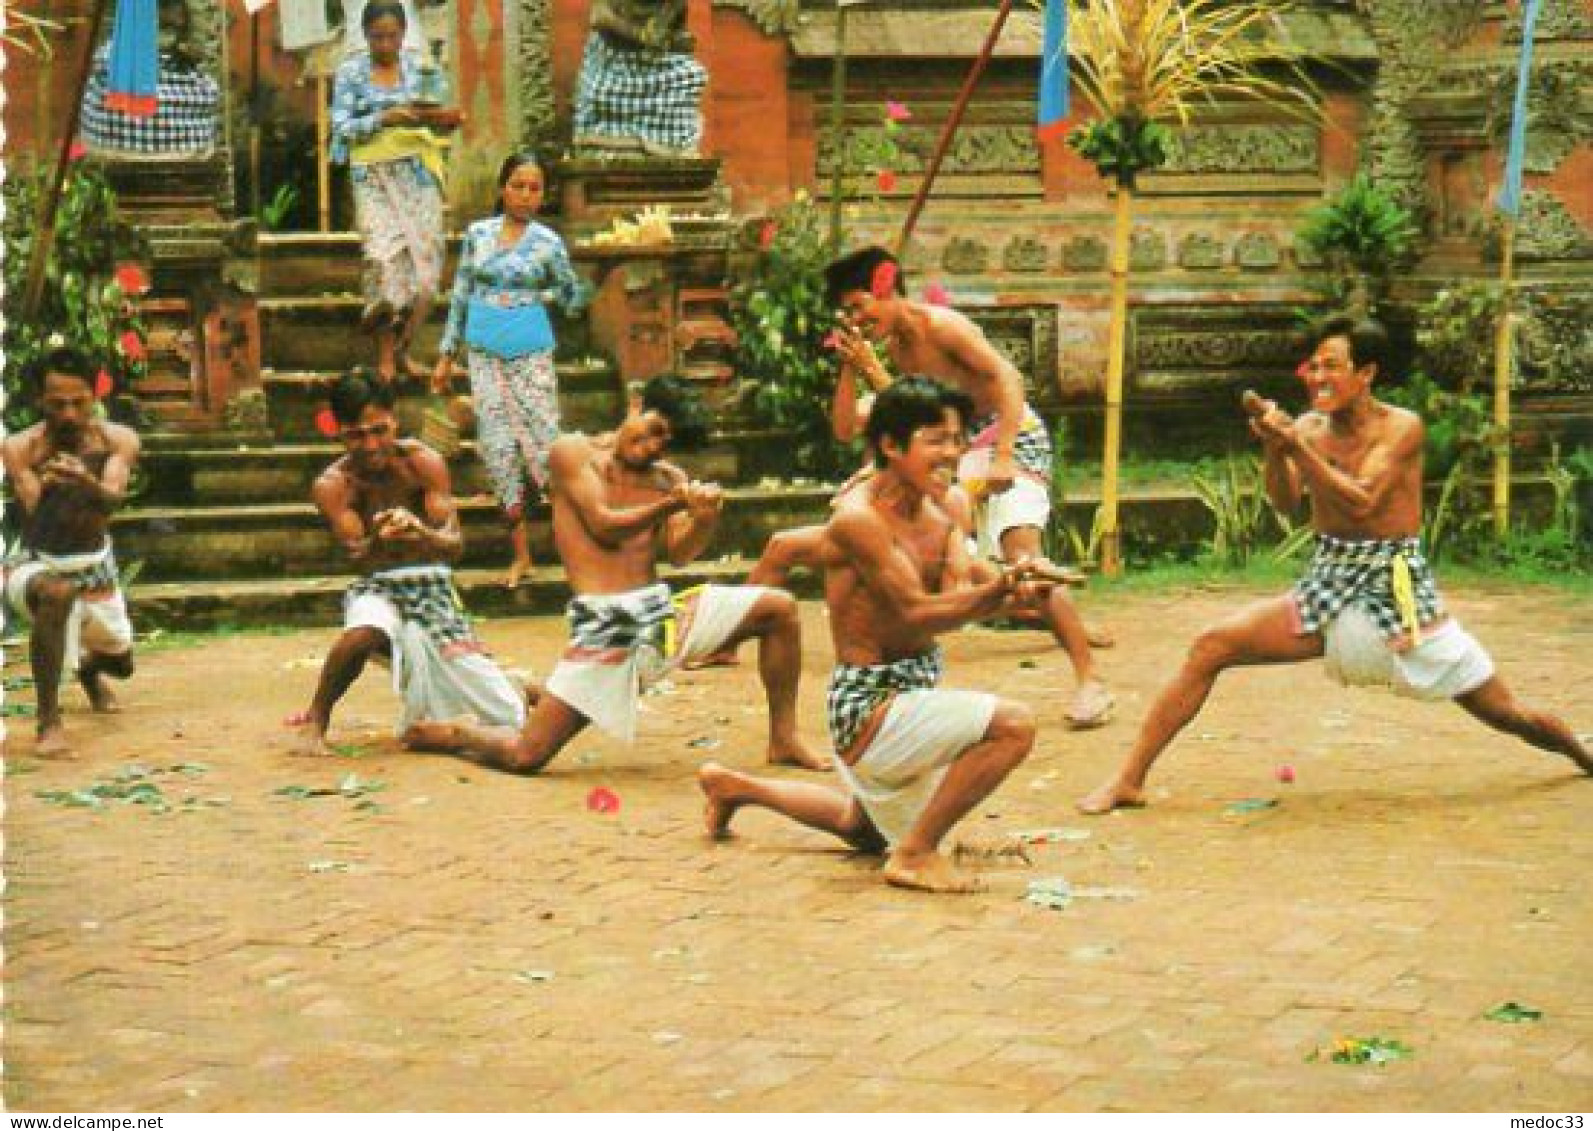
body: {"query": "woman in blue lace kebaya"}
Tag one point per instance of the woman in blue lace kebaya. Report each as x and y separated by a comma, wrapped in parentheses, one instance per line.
(388, 125)
(511, 268)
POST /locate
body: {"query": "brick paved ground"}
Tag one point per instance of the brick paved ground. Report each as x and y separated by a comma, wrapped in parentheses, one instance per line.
(484, 942)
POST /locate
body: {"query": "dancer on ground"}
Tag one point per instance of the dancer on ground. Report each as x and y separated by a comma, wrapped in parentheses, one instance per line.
(1010, 445)
(1368, 603)
(389, 503)
(916, 758)
(616, 505)
(391, 131)
(510, 269)
(69, 473)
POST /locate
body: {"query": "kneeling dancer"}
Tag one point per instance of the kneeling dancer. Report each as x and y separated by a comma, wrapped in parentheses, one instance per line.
(916, 757)
(70, 472)
(390, 504)
(616, 502)
(1368, 604)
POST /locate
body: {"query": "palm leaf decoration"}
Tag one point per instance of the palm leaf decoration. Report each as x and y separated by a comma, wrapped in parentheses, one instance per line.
(1143, 66)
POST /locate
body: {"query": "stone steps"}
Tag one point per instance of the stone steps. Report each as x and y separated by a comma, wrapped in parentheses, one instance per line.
(286, 539)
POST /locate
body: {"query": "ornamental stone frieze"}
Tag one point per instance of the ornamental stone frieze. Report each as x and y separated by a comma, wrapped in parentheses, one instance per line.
(964, 256)
(1548, 231)
(1147, 250)
(1557, 19)
(1257, 251)
(534, 73)
(773, 17)
(1200, 251)
(1180, 349)
(1244, 149)
(1084, 253)
(1024, 254)
(975, 149)
(1559, 110)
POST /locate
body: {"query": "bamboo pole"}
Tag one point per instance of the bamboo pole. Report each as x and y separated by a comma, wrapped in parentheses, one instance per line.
(323, 140)
(44, 240)
(838, 127)
(953, 120)
(1116, 357)
(1501, 382)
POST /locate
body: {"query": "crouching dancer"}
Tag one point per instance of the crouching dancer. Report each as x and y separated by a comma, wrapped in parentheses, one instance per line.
(1368, 604)
(916, 758)
(389, 502)
(616, 503)
(70, 472)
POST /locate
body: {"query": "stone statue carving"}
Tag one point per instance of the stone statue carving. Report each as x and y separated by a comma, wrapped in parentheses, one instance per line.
(640, 88)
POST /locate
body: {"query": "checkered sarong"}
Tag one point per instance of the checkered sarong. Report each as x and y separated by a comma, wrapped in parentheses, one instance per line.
(425, 597)
(1362, 571)
(99, 577)
(639, 93)
(1032, 449)
(612, 624)
(857, 690)
(187, 114)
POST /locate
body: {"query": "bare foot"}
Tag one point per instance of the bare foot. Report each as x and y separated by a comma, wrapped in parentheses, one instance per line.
(724, 659)
(794, 752)
(1091, 706)
(1099, 637)
(716, 782)
(1112, 795)
(100, 695)
(52, 743)
(429, 734)
(517, 573)
(310, 742)
(929, 871)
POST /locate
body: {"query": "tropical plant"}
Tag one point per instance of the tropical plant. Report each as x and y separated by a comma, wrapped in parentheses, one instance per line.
(781, 322)
(1142, 65)
(275, 212)
(30, 34)
(1364, 234)
(90, 281)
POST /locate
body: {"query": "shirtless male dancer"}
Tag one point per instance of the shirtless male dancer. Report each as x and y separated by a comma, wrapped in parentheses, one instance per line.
(916, 758)
(616, 504)
(1012, 489)
(389, 502)
(70, 473)
(1368, 603)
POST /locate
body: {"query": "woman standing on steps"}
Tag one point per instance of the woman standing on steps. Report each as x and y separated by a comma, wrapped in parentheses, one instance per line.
(510, 269)
(388, 124)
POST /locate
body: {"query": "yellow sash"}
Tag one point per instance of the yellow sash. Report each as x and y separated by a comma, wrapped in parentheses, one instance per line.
(1405, 599)
(394, 143)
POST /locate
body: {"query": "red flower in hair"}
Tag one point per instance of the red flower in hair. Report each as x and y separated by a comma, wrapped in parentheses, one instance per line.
(767, 233)
(132, 278)
(103, 384)
(886, 180)
(832, 340)
(603, 800)
(133, 346)
(883, 281)
(77, 152)
(326, 424)
(1304, 370)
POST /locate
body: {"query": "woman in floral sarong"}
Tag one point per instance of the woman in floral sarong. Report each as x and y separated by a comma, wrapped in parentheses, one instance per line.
(388, 125)
(511, 268)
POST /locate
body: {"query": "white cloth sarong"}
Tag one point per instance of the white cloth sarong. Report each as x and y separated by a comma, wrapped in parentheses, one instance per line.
(622, 643)
(1449, 662)
(925, 730)
(1025, 503)
(435, 679)
(98, 621)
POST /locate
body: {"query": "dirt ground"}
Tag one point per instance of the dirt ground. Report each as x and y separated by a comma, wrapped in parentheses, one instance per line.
(433, 936)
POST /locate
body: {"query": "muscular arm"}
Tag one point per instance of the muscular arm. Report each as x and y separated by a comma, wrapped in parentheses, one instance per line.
(574, 477)
(1367, 494)
(867, 547)
(687, 535)
(997, 382)
(19, 470)
(441, 531)
(332, 498)
(125, 447)
(1281, 478)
